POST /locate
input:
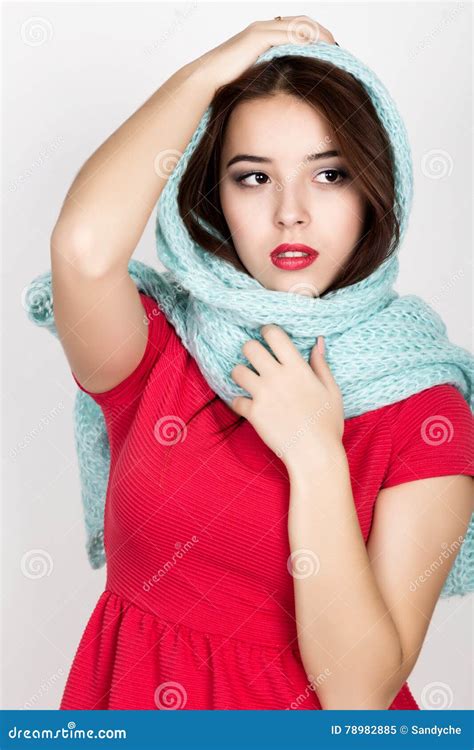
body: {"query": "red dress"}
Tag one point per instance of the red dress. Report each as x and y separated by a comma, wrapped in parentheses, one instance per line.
(198, 608)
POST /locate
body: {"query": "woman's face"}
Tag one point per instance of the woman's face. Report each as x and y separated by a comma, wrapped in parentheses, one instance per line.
(290, 197)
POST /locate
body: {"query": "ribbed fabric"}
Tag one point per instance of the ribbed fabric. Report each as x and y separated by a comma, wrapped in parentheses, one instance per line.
(198, 609)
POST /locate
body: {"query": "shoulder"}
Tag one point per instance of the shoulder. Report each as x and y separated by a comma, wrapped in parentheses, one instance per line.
(130, 389)
(432, 435)
(159, 327)
(434, 413)
(445, 394)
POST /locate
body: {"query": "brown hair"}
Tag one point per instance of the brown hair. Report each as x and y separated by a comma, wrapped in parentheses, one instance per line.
(363, 142)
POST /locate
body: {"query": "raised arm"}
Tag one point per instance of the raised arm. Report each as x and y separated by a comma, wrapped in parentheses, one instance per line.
(97, 309)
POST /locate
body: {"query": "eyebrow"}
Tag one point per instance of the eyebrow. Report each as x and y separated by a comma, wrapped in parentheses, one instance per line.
(266, 160)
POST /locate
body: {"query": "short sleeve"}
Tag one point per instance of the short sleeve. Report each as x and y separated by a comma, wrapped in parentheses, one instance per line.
(432, 435)
(159, 331)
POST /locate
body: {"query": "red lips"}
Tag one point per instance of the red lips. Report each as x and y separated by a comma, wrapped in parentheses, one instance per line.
(297, 247)
(293, 263)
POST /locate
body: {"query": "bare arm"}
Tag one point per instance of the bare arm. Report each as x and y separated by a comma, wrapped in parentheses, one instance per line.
(111, 199)
(361, 621)
(97, 309)
(346, 634)
(98, 312)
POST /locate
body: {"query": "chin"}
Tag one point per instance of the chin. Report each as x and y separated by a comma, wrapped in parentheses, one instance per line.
(301, 285)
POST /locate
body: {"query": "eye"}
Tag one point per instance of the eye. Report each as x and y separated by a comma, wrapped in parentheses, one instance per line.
(240, 179)
(332, 174)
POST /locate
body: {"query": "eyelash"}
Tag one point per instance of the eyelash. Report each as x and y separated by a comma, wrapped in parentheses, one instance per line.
(239, 179)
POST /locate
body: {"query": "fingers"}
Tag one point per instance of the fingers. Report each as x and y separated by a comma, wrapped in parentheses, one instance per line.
(301, 29)
(282, 345)
(259, 357)
(242, 406)
(245, 378)
(262, 360)
(320, 366)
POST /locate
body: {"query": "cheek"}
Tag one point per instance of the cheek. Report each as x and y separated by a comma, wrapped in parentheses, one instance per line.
(231, 208)
(242, 215)
(346, 211)
(224, 201)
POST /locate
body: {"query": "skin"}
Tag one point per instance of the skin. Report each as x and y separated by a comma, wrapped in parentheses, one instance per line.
(321, 210)
(382, 621)
(296, 406)
(292, 199)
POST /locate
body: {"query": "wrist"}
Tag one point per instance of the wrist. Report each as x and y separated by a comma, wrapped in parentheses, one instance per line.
(315, 458)
(201, 73)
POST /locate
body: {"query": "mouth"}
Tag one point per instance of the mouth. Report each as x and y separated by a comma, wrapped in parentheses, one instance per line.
(293, 256)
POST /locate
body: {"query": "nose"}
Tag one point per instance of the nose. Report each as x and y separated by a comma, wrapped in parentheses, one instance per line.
(289, 209)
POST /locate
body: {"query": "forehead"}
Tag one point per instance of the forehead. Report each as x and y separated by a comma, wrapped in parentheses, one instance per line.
(278, 125)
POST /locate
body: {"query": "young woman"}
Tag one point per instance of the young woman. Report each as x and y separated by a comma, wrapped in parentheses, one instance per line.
(273, 568)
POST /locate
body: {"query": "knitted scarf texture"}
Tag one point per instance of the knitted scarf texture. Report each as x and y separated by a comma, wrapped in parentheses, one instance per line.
(381, 347)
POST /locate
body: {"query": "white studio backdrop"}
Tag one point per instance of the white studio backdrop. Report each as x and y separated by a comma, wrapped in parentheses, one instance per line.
(72, 74)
